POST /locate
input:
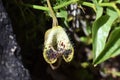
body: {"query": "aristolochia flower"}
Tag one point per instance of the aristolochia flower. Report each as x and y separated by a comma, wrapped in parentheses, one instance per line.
(56, 45)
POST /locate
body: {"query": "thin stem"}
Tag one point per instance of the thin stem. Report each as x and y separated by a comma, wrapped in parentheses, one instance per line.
(89, 5)
(106, 4)
(115, 7)
(55, 22)
(112, 4)
(36, 7)
(47, 9)
(65, 4)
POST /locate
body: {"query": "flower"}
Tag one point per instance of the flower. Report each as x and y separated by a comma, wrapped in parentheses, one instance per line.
(56, 45)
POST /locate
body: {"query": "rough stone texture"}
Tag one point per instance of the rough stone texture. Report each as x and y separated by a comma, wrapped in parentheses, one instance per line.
(11, 67)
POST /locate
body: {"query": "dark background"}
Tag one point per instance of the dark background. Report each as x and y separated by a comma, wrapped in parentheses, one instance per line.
(29, 26)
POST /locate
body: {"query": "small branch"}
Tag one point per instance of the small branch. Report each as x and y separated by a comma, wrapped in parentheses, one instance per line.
(65, 4)
(112, 4)
(106, 4)
(55, 21)
(116, 8)
(47, 9)
(36, 7)
(89, 5)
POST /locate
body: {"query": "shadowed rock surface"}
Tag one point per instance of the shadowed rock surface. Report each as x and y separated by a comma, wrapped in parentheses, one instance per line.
(11, 67)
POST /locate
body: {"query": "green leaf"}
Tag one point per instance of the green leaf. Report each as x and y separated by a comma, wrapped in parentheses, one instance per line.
(99, 9)
(118, 1)
(99, 12)
(112, 48)
(100, 30)
(63, 14)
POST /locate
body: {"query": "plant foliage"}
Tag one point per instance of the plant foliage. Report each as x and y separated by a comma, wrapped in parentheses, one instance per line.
(105, 32)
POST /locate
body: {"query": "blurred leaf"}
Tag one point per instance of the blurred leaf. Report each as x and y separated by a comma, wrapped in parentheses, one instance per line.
(85, 64)
(99, 9)
(112, 48)
(86, 40)
(63, 14)
(115, 73)
(99, 12)
(118, 1)
(61, 1)
(101, 29)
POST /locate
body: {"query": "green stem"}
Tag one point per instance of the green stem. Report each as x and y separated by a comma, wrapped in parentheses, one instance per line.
(115, 7)
(47, 9)
(65, 4)
(36, 7)
(112, 4)
(106, 4)
(55, 22)
(89, 5)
